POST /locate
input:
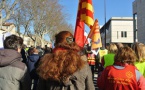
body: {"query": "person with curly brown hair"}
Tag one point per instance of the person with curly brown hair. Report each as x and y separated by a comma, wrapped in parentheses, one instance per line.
(64, 69)
(122, 75)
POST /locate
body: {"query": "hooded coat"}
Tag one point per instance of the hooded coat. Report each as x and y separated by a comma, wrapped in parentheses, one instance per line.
(13, 74)
(32, 59)
(77, 81)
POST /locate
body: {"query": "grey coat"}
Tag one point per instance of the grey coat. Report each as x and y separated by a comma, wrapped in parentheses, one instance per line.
(80, 80)
(13, 73)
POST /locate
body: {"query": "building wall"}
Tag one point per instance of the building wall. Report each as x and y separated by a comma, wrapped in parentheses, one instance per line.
(119, 27)
(11, 29)
(108, 34)
(28, 41)
(139, 10)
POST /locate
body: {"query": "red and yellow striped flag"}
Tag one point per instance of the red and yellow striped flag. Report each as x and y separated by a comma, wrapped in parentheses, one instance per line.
(85, 15)
(95, 35)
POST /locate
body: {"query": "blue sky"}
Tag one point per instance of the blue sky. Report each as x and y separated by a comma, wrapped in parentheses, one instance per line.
(114, 8)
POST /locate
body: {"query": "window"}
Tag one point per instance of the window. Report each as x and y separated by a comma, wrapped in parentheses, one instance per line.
(123, 34)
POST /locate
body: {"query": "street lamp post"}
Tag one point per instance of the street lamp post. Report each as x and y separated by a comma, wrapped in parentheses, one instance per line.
(105, 20)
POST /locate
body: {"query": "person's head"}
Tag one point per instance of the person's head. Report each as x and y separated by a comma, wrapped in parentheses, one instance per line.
(24, 46)
(38, 47)
(63, 61)
(139, 49)
(47, 50)
(119, 45)
(112, 48)
(125, 55)
(64, 39)
(45, 46)
(30, 50)
(13, 42)
(35, 51)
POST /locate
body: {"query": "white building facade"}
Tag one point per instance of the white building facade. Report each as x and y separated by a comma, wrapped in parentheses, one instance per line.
(118, 30)
(8, 29)
(139, 25)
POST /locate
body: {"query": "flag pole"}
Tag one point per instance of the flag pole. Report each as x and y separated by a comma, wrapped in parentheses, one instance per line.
(89, 33)
(86, 40)
(87, 36)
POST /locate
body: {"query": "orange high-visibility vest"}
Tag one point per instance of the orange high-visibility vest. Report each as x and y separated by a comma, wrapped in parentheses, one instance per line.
(91, 59)
(124, 79)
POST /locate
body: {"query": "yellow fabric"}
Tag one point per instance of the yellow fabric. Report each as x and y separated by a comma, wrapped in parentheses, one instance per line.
(88, 6)
(102, 53)
(95, 35)
(87, 19)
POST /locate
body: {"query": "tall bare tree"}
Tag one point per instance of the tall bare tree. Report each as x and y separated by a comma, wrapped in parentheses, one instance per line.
(48, 18)
(40, 18)
(7, 8)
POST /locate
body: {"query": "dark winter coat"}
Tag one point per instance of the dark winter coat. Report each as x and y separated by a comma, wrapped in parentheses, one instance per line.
(32, 59)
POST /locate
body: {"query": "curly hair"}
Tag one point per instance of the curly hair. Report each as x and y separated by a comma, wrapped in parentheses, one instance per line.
(126, 55)
(63, 62)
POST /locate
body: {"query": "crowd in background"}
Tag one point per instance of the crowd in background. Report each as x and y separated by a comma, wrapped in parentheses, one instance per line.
(70, 67)
(31, 57)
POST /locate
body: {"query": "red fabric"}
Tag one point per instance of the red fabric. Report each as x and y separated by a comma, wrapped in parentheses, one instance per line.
(141, 83)
(80, 22)
(87, 12)
(118, 79)
(57, 49)
(79, 33)
(91, 59)
(94, 34)
(94, 29)
(83, 10)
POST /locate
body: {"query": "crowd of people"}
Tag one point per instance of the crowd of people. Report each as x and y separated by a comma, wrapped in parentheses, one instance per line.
(123, 68)
(34, 68)
(70, 67)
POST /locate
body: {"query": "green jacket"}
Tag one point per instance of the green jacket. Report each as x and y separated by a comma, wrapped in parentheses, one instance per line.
(141, 67)
(108, 59)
